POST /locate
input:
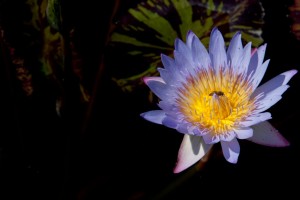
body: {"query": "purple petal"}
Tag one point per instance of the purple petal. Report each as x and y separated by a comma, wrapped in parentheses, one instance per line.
(183, 128)
(253, 51)
(189, 38)
(243, 132)
(255, 119)
(266, 134)
(191, 150)
(217, 49)
(187, 128)
(157, 85)
(183, 64)
(172, 69)
(199, 132)
(153, 78)
(235, 49)
(243, 63)
(227, 136)
(155, 116)
(167, 106)
(169, 122)
(267, 103)
(181, 47)
(275, 82)
(270, 98)
(169, 63)
(256, 60)
(259, 74)
(200, 55)
(165, 75)
(210, 138)
(231, 150)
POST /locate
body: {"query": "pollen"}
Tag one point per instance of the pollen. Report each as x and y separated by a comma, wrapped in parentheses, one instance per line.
(215, 101)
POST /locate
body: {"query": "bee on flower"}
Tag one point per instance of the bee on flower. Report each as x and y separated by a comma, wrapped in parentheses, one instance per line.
(214, 96)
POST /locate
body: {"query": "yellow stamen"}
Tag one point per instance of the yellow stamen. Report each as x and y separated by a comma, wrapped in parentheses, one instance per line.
(216, 101)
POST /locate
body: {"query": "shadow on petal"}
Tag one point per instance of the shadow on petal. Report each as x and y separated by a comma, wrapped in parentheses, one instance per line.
(192, 149)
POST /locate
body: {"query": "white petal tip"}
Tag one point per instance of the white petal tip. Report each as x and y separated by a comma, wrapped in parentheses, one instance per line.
(152, 78)
(177, 170)
(190, 33)
(143, 115)
(146, 79)
(155, 116)
(293, 72)
(233, 161)
(191, 150)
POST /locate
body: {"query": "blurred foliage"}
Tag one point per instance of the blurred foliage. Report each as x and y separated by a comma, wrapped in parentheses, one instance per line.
(38, 43)
(32, 34)
(294, 15)
(150, 28)
(53, 12)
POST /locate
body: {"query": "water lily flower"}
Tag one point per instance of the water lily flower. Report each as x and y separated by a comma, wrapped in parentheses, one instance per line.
(214, 96)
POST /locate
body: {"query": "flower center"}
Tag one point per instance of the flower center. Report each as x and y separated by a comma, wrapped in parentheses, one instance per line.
(219, 104)
(215, 101)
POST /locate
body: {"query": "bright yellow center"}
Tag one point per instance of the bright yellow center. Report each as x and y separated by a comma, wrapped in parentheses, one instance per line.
(216, 101)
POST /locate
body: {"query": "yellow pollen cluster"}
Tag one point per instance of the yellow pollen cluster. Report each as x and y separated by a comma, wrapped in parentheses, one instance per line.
(215, 101)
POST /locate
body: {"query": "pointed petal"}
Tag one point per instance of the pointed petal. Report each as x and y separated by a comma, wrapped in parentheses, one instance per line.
(255, 119)
(235, 49)
(243, 62)
(266, 134)
(271, 98)
(267, 103)
(157, 85)
(153, 78)
(166, 76)
(155, 116)
(170, 66)
(259, 74)
(181, 47)
(200, 55)
(243, 132)
(191, 150)
(231, 150)
(253, 51)
(217, 49)
(167, 62)
(256, 60)
(281, 79)
(189, 38)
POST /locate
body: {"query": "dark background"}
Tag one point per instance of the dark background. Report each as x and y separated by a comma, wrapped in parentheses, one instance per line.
(121, 156)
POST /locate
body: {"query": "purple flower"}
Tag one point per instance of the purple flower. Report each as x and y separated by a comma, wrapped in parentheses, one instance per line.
(213, 96)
